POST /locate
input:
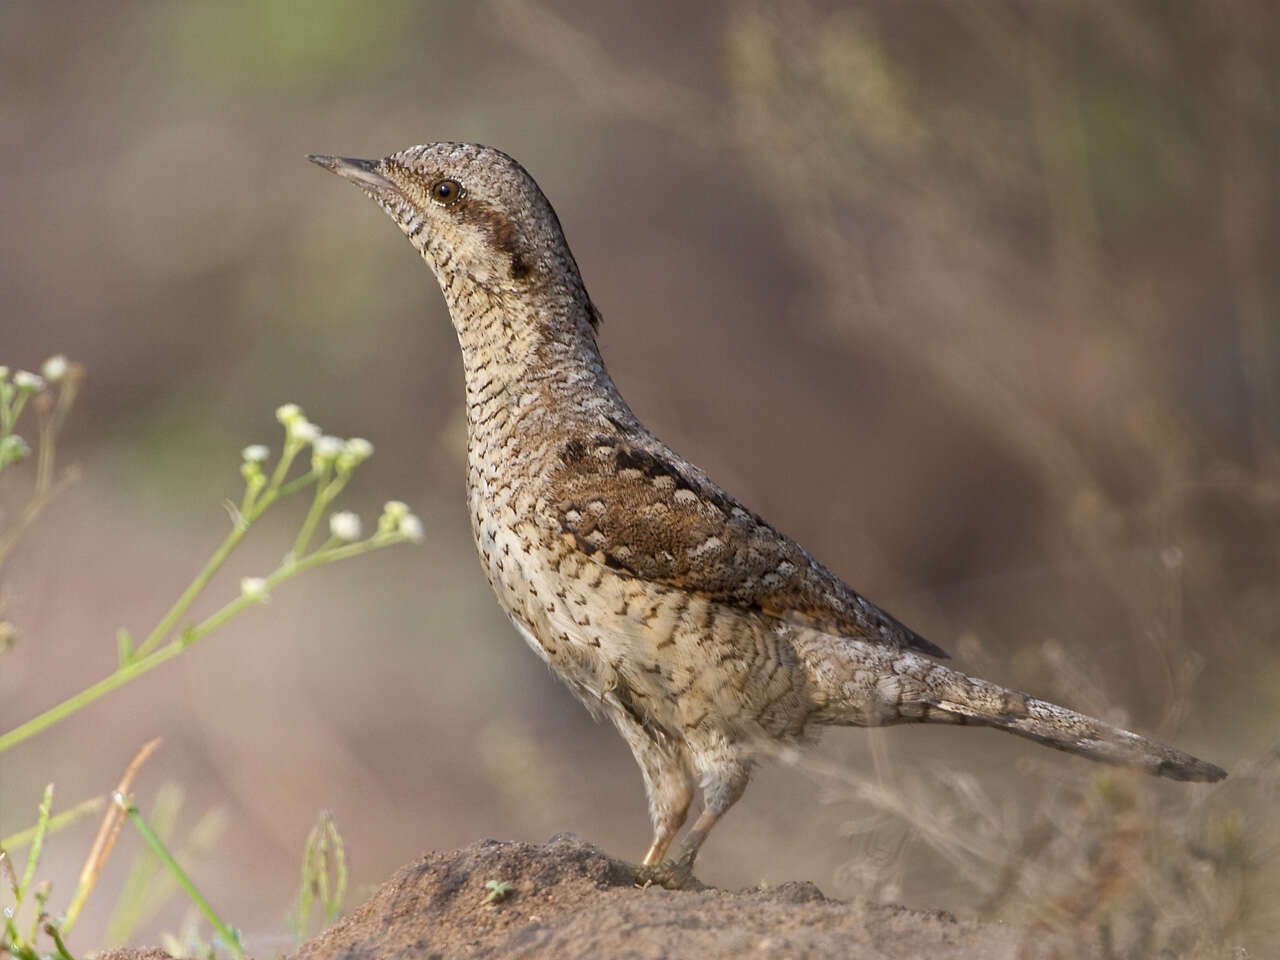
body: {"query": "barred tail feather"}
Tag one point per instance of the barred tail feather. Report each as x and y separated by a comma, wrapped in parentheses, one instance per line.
(857, 683)
(969, 700)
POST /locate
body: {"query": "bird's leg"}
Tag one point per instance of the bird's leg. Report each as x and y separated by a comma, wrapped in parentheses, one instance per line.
(658, 848)
(670, 793)
(722, 787)
(667, 783)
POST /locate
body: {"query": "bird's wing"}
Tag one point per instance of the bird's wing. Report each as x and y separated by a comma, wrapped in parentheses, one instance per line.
(631, 504)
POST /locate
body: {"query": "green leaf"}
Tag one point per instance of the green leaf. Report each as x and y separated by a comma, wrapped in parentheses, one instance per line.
(124, 648)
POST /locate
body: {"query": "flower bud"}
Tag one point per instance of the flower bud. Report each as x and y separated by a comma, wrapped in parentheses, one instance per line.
(324, 450)
(27, 381)
(55, 368)
(392, 513)
(355, 452)
(410, 527)
(345, 525)
(13, 448)
(288, 413)
(302, 430)
(254, 588)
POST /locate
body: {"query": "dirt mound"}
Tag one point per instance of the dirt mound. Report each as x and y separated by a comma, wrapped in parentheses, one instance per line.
(567, 900)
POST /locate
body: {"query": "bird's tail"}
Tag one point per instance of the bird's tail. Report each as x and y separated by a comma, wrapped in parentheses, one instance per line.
(915, 689)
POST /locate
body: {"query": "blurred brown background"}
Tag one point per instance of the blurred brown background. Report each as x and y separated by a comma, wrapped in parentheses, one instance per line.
(977, 300)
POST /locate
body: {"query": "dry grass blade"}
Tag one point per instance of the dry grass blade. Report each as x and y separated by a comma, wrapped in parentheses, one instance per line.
(106, 837)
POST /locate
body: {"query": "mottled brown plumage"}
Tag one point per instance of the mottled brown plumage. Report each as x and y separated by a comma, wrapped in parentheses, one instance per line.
(700, 631)
(666, 522)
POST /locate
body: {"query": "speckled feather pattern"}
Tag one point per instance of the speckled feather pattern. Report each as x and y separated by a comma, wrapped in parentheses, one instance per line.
(666, 605)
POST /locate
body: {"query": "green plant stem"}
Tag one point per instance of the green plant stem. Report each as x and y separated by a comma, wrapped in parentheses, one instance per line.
(296, 484)
(52, 930)
(269, 496)
(287, 571)
(291, 450)
(37, 842)
(142, 664)
(318, 503)
(230, 938)
(322, 872)
(193, 589)
(6, 409)
(13, 939)
(149, 887)
(16, 410)
(338, 851)
(130, 903)
(306, 889)
(16, 841)
(251, 492)
(69, 706)
(38, 914)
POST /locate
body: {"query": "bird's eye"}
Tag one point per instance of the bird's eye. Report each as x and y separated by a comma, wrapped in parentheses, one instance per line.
(446, 191)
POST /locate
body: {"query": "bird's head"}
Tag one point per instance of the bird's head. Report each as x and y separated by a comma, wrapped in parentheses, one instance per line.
(473, 212)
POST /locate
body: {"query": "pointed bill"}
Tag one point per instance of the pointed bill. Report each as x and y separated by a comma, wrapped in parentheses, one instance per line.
(363, 173)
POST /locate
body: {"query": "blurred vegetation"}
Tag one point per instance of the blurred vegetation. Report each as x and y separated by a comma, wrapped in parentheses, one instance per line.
(329, 463)
(997, 274)
(256, 48)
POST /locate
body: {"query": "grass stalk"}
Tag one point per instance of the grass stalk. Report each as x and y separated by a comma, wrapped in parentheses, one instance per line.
(16, 841)
(37, 842)
(142, 664)
(256, 509)
(230, 937)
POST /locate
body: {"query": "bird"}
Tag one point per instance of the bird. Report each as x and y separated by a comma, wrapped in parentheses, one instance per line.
(703, 634)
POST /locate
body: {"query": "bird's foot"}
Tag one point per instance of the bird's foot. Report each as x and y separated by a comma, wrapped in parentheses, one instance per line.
(672, 874)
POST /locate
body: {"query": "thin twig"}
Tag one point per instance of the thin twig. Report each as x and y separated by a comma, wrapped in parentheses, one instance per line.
(106, 837)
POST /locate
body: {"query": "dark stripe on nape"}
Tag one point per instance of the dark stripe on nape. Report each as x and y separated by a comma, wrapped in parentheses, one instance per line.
(573, 451)
(502, 233)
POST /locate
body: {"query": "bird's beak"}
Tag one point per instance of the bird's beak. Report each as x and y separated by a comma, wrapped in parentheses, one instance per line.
(363, 173)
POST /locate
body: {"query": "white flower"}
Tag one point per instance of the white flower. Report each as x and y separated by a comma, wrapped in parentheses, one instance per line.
(345, 525)
(354, 452)
(359, 448)
(288, 413)
(304, 430)
(255, 453)
(26, 380)
(410, 528)
(254, 588)
(392, 513)
(55, 368)
(327, 448)
(13, 448)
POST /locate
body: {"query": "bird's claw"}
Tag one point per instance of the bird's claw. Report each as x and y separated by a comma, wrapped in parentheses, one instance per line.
(671, 874)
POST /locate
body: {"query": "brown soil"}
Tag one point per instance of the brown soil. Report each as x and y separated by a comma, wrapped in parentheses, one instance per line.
(570, 900)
